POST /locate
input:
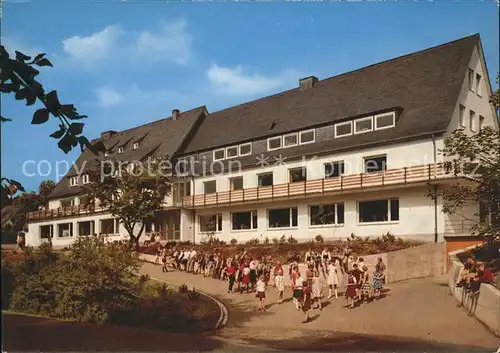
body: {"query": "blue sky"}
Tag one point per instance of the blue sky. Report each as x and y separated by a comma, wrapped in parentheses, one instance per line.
(127, 63)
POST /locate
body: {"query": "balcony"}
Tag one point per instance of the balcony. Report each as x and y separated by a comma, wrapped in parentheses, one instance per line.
(62, 212)
(318, 187)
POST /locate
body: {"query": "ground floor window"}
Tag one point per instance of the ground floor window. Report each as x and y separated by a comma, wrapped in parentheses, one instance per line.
(378, 210)
(86, 228)
(210, 223)
(109, 226)
(47, 231)
(283, 217)
(244, 220)
(326, 214)
(65, 230)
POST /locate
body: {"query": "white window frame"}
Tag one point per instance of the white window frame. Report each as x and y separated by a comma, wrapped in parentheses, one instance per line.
(73, 181)
(291, 226)
(253, 226)
(481, 122)
(85, 179)
(461, 116)
(272, 139)
(120, 150)
(478, 84)
(71, 230)
(368, 118)
(289, 135)
(342, 124)
(231, 182)
(335, 210)
(375, 126)
(389, 216)
(471, 75)
(245, 154)
(472, 120)
(135, 146)
(229, 148)
(218, 150)
(305, 132)
(217, 216)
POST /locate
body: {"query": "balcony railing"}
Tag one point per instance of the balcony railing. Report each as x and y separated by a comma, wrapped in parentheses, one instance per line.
(62, 212)
(318, 187)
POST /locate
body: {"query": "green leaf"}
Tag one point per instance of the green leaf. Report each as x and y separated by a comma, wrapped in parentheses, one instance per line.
(76, 128)
(41, 116)
(3, 119)
(44, 62)
(78, 117)
(84, 142)
(59, 133)
(53, 102)
(39, 57)
(8, 87)
(30, 98)
(21, 94)
(21, 57)
(67, 142)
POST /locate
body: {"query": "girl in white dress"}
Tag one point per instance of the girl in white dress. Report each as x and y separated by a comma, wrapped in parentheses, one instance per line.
(279, 283)
(340, 272)
(333, 280)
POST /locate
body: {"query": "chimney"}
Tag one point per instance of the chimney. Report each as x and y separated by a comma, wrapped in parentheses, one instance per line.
(307, 82)
(175, 114)
(107, 134)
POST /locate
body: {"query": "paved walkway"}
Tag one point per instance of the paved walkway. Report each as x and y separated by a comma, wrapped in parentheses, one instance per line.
(416, 314)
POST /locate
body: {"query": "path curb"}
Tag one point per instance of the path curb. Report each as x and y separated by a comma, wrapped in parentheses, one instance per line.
(224, 314)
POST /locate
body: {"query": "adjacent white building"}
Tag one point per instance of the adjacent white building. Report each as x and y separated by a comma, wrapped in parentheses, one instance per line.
(356, 154)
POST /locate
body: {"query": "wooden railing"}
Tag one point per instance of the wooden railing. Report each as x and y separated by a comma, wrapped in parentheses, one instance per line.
(459, 227)
(62, 212)
(401, 176)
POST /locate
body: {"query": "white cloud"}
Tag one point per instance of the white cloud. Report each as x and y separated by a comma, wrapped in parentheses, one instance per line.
(14, 43)
(173, 42)
(233, 81)
(93, 47)
(107, 97)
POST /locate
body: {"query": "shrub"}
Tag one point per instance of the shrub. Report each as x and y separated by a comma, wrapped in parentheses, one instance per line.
(319, 238)
(253, 241)
(183, 289)
(276, 241)
(266, 241)
(234, 241)
(193, 294)
(292, 240)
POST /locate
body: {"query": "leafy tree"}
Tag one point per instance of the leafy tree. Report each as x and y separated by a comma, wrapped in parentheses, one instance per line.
(132, 195)
(44, 190)
(495, 97)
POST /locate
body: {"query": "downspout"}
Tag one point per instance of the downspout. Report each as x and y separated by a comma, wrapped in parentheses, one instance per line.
(435, 192)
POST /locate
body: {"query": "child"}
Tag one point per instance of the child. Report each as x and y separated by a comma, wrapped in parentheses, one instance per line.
(333, 280)
(261, 293)
(306, 301)
(231, 274)
(317, 290)
(378, 281)
(158, 255)
(246, 279)
(279, 283)
(366, 287)
(164, 260)
(350, 293)
(297, 291)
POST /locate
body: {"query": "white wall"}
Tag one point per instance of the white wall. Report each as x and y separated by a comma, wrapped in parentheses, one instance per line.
(416, 218)
(398, 156)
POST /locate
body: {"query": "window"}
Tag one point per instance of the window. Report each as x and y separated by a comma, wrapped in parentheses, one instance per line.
(472, 120)
(182, 166)
(85, 228)
(481, 122)
(378, 211)
(65, 230)
(67, 202)
(478, 84)
(471, 80)
(209, 187)
(47, 231)
(363, 125)
(334, 169)
(462, 115)
(283, 217)
(236, 183)
(85, 178)
(109, 226)
(232, 152)
(136, 145)
(120, 149)
(290, 140)
(273, 143)
(244, 220)
(265, 179)
(219, 154)
(343, 129)
(210, 223)
(297, 174)
(375, 164)
(308, 136)
(384, 121)
(246, 149)
(73, 181)
(326, 214)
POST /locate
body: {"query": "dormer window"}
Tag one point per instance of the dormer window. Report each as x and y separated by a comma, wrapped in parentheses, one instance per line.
(120, 149)
(343, 129)
(73, 181)
(85, 179)
(219, 154)
(307, 136)
(232, 152)
(135, 146)
(290, 140)
(384, 121)
(274, 143)
(363, 125)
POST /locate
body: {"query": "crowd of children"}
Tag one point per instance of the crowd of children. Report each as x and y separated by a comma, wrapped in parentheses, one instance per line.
(245, 274)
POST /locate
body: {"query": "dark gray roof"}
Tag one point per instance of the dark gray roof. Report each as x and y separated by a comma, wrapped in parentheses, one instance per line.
(424, 84)
(163, 137)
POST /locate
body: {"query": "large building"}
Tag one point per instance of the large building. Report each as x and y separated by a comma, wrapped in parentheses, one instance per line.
(356, 153)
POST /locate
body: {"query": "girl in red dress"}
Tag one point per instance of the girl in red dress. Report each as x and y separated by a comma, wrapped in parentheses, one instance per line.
(350, 293)
(306, 301)
(246, 279)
